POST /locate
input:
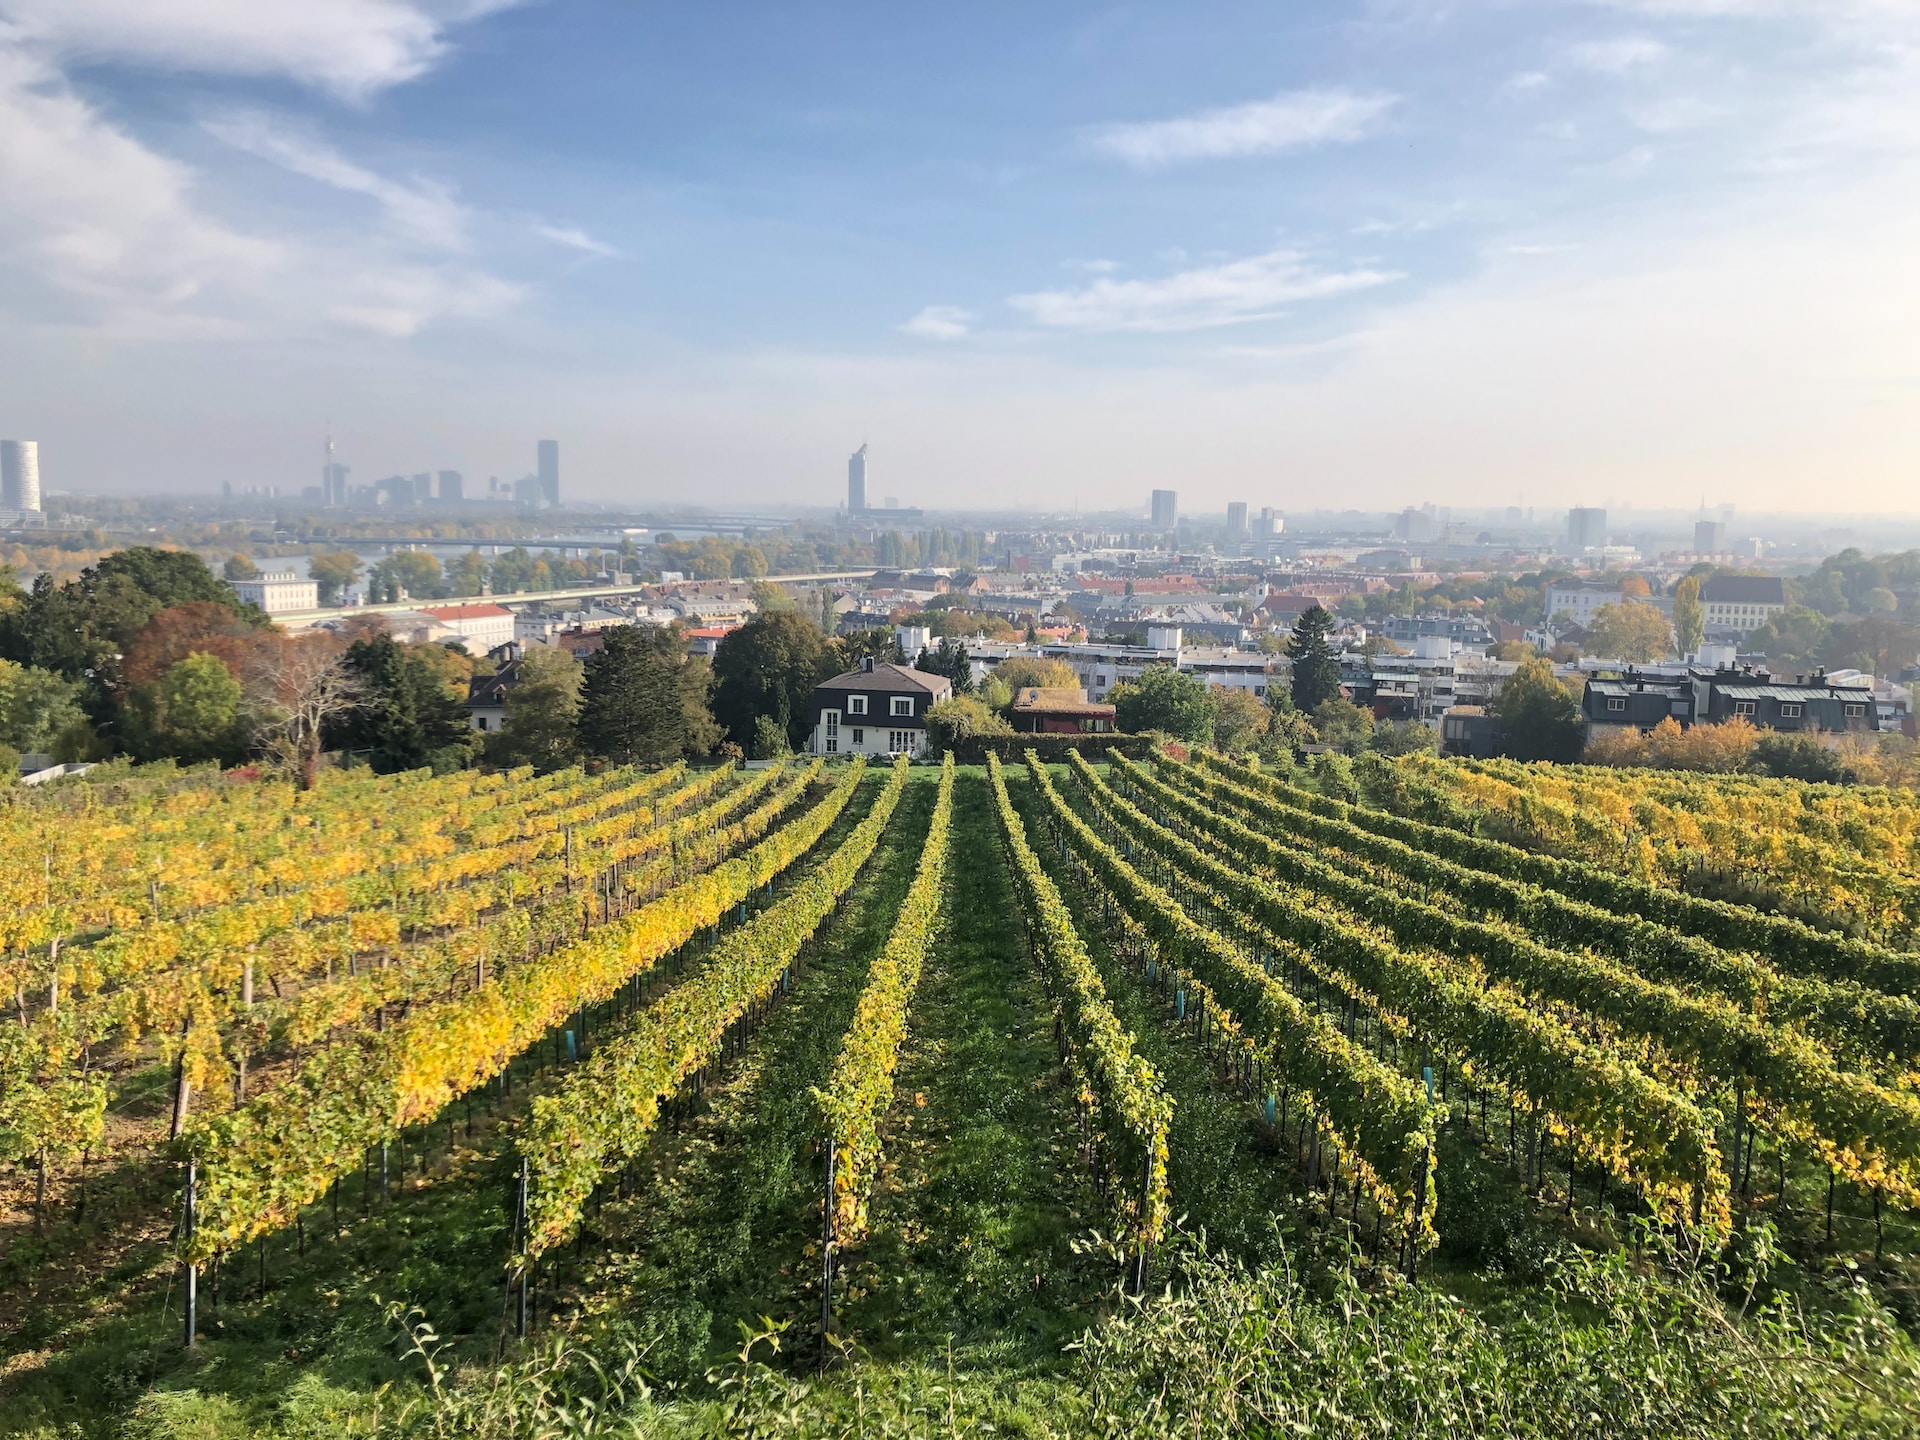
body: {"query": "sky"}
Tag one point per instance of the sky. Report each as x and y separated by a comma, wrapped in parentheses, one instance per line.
(1312, 255)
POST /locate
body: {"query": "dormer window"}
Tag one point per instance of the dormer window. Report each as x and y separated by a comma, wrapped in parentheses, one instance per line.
(856, 704)
(901, 705)
(1790, 711)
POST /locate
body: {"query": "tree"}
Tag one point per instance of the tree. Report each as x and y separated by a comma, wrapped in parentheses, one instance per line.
(1541, 720)
(880, 645)
(1689, 620)
(1407, 737)
(1793, 639)
(411, 715)
(543, 712)
(959, 719)
(770, 739)
(1796, 757)
(950, 659)
(1163, 698)
(1240, 719)
(769, 666)
(1877, 645)
(1316, 670)
(1345, 726)
(1287, 729)
(38, 708)
(467, 575)
(1633, 632)
(182, 630)
(419, 572)
(643, 701)
(83, 628)
(1017, 672)
(334, 570)
(300, 688)
(197, 710)
(240, 567)
(1510, 650)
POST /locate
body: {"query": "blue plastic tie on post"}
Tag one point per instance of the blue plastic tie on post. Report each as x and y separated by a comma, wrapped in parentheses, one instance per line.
(573, 1052)
(1269, 1112)
(1426, 1074)
(1179, 1004)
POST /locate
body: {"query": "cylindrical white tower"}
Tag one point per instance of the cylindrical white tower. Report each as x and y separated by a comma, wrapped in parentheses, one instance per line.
(20, 474)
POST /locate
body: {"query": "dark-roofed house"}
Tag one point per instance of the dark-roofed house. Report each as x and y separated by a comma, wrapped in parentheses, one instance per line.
(487, 694)
(1059, 710)
(1700, 697)
(1736, 604)
(875, 710)
(1813, 704)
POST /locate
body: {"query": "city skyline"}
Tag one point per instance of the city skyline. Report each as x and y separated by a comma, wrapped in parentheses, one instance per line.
(1381, 251)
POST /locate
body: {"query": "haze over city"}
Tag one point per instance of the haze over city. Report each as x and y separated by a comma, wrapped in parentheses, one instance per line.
(1365, 255)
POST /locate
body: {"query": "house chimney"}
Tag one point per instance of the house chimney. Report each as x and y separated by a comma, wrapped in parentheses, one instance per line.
(866, 664)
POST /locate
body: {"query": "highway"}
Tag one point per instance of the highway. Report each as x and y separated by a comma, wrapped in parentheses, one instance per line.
(302, 619)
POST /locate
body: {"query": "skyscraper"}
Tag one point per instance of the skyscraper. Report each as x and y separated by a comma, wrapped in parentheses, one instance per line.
(1709, 537)
(1586, 530)
(422, 489)
(857, 481)
(20, 474)
(1236, 517)
(1166, 511)
(452, 486)
(550, 472)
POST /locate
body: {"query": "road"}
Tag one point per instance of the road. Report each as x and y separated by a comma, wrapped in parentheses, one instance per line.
(301, 619)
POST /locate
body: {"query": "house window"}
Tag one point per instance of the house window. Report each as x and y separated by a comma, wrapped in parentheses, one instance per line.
(1743, 707)
(899, 741)
(1855, 712)
(859, 737)
(1616, 702)
(856, 704)
(833, 732)
(1790, 711)
(900, 705)
(482, 721)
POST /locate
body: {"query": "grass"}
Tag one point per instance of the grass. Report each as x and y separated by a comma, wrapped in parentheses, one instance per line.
(974, 1218)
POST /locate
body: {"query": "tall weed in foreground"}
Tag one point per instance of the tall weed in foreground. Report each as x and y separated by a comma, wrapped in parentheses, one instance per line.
(1597, 1351)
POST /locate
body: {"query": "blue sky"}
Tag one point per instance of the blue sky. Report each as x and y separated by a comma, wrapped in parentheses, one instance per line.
(1626, 251)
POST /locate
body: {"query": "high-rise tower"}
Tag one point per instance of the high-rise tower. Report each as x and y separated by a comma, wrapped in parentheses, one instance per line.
(20, 474)
(1166, 511)
(549, 451)
(857, 481)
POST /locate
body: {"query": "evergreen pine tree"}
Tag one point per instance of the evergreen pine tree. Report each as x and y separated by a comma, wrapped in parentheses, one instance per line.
(1316, 670)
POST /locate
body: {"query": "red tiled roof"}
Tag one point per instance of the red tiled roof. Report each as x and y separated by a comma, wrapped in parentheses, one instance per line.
(464, 612)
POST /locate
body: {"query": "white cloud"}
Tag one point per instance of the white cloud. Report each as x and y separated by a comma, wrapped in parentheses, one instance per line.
(126, 234)
(423, 210)
(1228, 294)
(572, 237)
(1295, 120)
(1617, 56)
(352, 48)
(92, 212)
(940, 322)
